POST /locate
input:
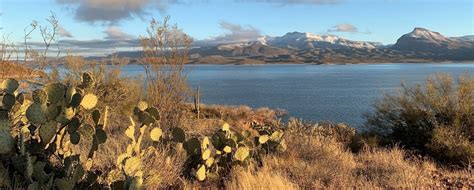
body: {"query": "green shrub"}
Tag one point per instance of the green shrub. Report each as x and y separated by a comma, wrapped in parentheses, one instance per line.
(413, 117)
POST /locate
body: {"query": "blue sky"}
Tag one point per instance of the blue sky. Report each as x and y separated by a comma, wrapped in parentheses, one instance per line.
(369, 20)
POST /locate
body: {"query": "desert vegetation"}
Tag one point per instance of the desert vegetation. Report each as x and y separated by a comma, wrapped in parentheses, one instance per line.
(93, 128)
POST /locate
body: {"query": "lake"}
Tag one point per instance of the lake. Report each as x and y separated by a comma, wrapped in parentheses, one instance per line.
(339, 93)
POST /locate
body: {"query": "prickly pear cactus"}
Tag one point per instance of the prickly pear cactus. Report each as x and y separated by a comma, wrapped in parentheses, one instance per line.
(9, 85)
(33, 130)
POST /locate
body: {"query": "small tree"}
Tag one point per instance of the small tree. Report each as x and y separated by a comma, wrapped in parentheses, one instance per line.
(165, 50)
(436, 118)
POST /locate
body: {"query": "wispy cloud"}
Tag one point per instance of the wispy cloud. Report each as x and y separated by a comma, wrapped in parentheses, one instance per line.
(289, 2)
(115, 33)
(345, 27)
(64, 33)
(234, 33)
(112, 11)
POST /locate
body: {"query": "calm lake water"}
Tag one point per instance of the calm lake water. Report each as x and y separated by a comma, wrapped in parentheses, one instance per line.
(340, 93)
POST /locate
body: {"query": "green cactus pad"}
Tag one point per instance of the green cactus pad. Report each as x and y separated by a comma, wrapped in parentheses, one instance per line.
(9, 85)
(218, 140)
(74, 137)
(192, 146)
(64, 184)
(71, 90)
(100, 135)
(155, 134)
(154, 112)
(52, 112)
(201, 173)
(86, 131)
(89, 101)
(178, 134)
(8, 101)
(36, 113)
(75, 100)
(146, 118)
(87, 80)
(73, 125)
(96, 116)
(206, 154)
(47, 131)
(56, 92)
(242, 153)
(40, 96)
(6, 140)
(142, 105)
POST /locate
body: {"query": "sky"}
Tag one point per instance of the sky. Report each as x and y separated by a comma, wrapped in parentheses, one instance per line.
(109, 25)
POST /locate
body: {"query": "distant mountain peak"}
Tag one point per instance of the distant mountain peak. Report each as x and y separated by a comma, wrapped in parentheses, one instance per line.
(422, 39)
(424, 33)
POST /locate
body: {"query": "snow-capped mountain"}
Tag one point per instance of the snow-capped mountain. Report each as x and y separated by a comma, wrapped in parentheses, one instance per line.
(306, 40)
(421, 39)
(419, 45)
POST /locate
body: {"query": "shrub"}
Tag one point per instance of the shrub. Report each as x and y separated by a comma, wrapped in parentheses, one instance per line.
(420, 117)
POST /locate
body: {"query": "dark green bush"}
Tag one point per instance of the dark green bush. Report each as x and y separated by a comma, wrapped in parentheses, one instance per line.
(436, 118)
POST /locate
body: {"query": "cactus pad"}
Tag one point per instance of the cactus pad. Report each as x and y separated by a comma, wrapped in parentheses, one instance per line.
(155, 134)
(193, 146)
(87, 80)
(86, 131)
(201, 173)
(153, 112)
(6, 140)
(100, 135)
(142, 105)
(205, 143)
(89, 101)
(178, 134)
(9, 85)
(226, 127)
(40, 96)
(75, 100)
(227, 149)
(132, 166)
(263, 139)
(73, 125)
(8, 101)
(96, 116)
(74, 137)
(206, 154)
(36, 113)
(242, 153)
(56, 92)
(47, 131)
(146, 118)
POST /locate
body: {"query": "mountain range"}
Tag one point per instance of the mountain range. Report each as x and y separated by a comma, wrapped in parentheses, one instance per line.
(419, 45)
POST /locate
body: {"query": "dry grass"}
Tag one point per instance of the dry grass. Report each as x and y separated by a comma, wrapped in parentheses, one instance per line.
(247, 179)
(390, 169)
